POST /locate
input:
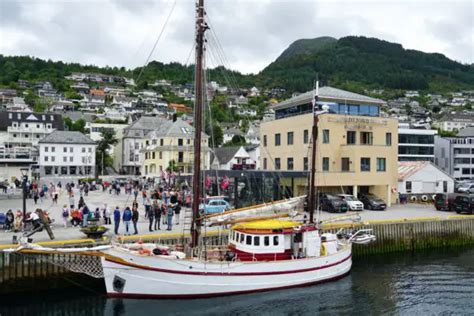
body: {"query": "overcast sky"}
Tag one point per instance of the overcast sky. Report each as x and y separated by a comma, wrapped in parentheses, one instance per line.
(251, 33)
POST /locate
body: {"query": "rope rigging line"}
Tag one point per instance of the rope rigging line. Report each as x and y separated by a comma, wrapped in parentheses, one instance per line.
(156, 41)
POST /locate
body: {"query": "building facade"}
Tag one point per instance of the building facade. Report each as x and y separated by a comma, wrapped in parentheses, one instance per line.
(66, 153)
(455, 155)
(357, 149)
(451, 122)
(416, 144)
(423, 177)
(171, 146)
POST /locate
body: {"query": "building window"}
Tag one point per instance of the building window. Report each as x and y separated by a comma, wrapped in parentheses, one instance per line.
(264, 163)
(160, 155)
(325, 136)
(153, 155)
(264, 140)
(305, 136)
(345, 164)
(408, 186)
(90, 149)
(189, 142)
(290, 138)
(83, 149)
(14, 135)
(381, 164)
(26, 125)
(48, 170)
(71, 149)
(326, 164)
(53, 149)
(277, 164)
(46, 149)
(71, 159)
(388, 139)
(180, 156)
(366, 138)
(64, 149)
(277, 139)
(351, 137)
(364, 164)
(153, 141)
(46, 158)
(289, 163)
(53, 158)
(180, 142)
(305, 163)
(64, 159)
(445, 186)
(26, 135)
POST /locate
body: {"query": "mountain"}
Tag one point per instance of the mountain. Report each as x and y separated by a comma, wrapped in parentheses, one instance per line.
(306, 47)
(352, 63)
(355, 63)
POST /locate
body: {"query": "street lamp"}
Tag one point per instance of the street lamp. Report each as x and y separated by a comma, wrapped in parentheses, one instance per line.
(24, 173)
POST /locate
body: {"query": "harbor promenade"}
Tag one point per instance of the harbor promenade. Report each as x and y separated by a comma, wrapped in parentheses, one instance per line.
(98, 198)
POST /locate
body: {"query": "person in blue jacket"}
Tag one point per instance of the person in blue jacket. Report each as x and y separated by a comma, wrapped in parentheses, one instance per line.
(127, 217)
(116, 219)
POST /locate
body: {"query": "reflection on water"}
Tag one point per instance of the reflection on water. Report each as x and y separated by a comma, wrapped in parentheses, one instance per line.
(426, 283)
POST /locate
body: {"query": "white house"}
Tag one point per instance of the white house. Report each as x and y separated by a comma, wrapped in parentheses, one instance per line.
(423, 177)
(66, 153)
(232, 158)
(230, 133)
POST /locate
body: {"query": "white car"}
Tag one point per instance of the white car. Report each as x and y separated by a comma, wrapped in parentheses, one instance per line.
(352, 201)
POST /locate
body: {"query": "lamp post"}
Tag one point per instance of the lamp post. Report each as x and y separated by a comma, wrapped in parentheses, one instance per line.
(24, 173)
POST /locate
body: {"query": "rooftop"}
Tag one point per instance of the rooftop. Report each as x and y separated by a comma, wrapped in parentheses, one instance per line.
(225, 154)
(66, 137)
(329, 94)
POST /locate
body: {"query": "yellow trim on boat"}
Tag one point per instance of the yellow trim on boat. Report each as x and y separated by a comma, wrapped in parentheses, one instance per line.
(267, 224)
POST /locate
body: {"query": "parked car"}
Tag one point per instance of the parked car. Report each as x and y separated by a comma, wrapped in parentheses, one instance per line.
(445, 201)
(353, 202)
(464, 203)
(332, 203)
(466, 188)
(214, 206)
(372, 202)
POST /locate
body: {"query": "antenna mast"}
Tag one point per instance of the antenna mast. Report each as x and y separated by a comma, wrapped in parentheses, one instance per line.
(314, 137)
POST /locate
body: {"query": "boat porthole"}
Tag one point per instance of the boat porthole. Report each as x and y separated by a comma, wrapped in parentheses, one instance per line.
(190, 267)
(118, 284)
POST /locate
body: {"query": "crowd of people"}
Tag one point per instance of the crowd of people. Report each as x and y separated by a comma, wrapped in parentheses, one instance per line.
(159, 205)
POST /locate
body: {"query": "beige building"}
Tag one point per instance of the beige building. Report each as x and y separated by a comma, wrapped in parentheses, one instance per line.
(172, 143)
(356, 148)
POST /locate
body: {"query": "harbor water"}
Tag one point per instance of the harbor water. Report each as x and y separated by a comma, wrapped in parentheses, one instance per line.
(426, 283)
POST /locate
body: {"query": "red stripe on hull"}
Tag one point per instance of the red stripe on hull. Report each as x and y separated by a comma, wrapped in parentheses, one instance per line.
(125, 263)
(209, 295)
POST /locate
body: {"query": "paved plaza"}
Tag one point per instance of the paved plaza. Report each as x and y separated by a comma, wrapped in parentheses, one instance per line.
(98, 198)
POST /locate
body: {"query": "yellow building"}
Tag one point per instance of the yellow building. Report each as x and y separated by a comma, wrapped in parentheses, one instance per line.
(356, 148)
(172, 143)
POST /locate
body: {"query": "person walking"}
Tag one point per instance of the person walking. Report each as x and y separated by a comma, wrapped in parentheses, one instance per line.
(35, 196)
(170, 217)
(127, 217)
(71, 200)
(65, 215)
(135, 216)
(106, 215)
(156, 209)
(85, 215)
(148, 207)
(151, 217)
(116, 219)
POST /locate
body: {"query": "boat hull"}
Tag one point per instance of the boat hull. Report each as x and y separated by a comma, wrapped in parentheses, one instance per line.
(129, 275)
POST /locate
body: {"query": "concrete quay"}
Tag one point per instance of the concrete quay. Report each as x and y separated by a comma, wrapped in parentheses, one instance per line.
(98, 198)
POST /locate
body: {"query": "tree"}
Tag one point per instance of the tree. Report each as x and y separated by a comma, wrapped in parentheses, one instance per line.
(102, 157)
(73, 95)
(216, 134)
(172, 167)
(78, 126)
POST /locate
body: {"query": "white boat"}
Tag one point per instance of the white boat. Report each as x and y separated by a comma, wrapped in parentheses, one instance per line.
(261, 256)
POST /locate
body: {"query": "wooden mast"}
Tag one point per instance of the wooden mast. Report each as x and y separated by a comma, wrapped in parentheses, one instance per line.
(198, 109)
(314, 136)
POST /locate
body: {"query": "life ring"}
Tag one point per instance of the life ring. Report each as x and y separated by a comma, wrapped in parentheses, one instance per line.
(394, 190)
(424, 198)
(323, 250)
(413, 198)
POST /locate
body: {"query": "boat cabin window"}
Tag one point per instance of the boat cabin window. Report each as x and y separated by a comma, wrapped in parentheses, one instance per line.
(256, 240)
(275, 240)
(266, 240)
(249, 240)
(241, 238)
